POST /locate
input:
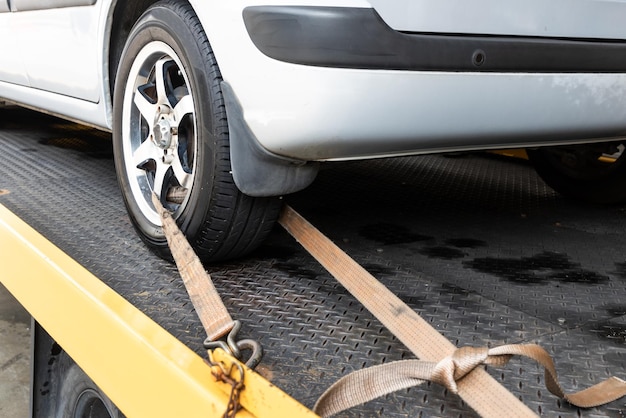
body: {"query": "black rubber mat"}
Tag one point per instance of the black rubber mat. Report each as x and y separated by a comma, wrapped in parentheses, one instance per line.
(475, 243)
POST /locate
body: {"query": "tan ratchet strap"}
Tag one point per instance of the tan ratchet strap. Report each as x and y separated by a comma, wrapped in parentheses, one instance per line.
(460, 370)
(207, 302)
(210, 308)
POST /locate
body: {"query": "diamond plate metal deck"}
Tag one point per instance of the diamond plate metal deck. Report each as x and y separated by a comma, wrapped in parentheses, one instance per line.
(475, 243)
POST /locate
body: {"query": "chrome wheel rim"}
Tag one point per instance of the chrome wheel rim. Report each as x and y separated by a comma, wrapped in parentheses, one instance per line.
(159, 135)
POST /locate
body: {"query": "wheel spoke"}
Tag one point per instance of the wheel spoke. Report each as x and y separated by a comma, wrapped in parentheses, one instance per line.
(145, 152)
(145, 106)
(160, 80)
(184, 178)
(159, 177)
(183, 107)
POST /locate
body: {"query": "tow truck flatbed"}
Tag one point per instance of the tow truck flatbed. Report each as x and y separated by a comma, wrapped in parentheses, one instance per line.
(475, 243)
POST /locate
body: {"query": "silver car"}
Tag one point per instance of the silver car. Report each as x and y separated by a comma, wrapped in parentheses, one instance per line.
(221, 107)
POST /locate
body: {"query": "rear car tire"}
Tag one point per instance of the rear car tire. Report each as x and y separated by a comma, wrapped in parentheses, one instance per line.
(593, 173)
(170, 135)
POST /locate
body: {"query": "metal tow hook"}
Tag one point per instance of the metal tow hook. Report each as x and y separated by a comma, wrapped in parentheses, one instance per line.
(234, 347)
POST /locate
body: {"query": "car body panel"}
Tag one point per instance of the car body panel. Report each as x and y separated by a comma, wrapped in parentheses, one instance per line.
(25, 5)
(12, 68)
(406, 113)
(601, 19)
(351, 113)
(347, 37)
(313, 113)
(62, 55)
(71, 108)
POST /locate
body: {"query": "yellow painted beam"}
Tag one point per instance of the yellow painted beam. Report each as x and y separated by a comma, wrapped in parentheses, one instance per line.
(514, 153)
(140, 366)
(258, 399)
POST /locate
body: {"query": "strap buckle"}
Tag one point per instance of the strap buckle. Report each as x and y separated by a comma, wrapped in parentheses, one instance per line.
(234, 347)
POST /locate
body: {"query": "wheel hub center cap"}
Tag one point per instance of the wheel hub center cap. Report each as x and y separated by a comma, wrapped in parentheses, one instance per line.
(163, 133)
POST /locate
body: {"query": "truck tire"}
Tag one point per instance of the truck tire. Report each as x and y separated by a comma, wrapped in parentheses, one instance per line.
(170, 135)
(59, 387)
(594, 173)
(80, 397)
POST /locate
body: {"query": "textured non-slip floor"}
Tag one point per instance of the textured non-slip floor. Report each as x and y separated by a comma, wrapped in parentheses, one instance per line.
(475, 243)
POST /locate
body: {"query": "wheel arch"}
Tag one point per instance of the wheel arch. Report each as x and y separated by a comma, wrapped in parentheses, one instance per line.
(122, 15)
(257, 172)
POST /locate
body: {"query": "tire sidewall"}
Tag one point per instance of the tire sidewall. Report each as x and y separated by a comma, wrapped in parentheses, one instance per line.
(76, 384)
(162, 23)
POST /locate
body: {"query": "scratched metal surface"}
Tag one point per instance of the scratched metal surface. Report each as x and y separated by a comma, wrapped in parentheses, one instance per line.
(476, 244)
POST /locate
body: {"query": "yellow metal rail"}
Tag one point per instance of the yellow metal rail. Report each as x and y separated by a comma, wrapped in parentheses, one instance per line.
(514, 153)
(140, 366)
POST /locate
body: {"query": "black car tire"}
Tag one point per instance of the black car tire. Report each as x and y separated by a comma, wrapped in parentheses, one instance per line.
(170, 133)
(583, 171)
